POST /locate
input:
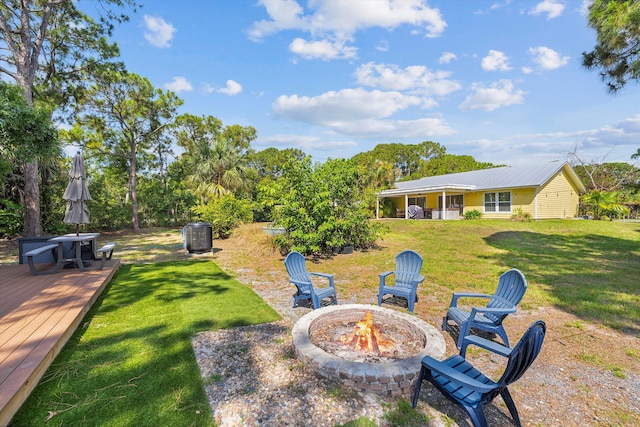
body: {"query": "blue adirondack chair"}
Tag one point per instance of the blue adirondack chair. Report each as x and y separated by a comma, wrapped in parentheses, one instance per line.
(511, 288)
(298, 275)
(407, 278)
(468, 388)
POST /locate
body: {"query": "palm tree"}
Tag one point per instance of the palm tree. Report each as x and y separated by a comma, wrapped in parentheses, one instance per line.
(217, 168)
(603, 205)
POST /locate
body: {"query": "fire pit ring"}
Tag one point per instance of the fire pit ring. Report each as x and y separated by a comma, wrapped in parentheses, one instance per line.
(388, 379)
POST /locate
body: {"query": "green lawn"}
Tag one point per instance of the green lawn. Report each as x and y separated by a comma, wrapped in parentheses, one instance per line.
(132, 362)
(587, 268)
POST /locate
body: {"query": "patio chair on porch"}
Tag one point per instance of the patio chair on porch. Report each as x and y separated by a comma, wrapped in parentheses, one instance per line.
(511, 288)
(407, 278)
(464, 385)
(298, 275)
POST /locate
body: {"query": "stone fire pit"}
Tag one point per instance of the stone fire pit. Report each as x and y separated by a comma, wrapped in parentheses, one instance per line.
(388, 378)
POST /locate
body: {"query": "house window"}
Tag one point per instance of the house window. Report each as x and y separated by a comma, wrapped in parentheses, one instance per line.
(419, 201)
(497, 202)
(456, 201)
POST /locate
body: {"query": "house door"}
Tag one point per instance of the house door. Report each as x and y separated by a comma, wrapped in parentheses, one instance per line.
(418, 201)
(456, 201)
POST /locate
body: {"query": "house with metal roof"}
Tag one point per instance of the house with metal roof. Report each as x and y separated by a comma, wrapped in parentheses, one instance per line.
(545, 191)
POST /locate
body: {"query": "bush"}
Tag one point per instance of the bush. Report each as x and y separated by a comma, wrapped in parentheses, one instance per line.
(224, 214)
(10, 218)
(473, 214)
(519, 215)
(324, 209)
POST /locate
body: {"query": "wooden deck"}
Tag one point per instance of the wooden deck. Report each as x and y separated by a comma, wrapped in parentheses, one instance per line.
(38, 315)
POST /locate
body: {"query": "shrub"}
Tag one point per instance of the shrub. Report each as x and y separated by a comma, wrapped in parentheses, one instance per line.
(224, 214)
(520, 215)
(472, 214)
(10, 218)
(324, 209)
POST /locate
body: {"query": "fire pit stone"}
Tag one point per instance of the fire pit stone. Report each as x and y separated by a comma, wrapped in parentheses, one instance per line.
(389, 378)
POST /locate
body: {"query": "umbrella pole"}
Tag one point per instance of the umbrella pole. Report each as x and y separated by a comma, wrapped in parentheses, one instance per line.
(77, 230)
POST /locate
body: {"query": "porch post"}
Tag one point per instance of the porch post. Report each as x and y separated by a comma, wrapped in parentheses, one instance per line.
(377, 206)
(406, 206)
(443, 213)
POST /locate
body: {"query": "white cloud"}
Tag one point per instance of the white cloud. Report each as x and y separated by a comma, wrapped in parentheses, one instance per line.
(494, 6)
(547, 59)
(284, 14)
(416, 79)
(232, 88)
(332, 24)
(446, 57)
(610, 143)
(347, 104)
(499, 94)
(158, 32)
(383, 46)
(584, 7)
(303, 142)
(322, 49)
(179, 84)
(495, 61)
(346, 17)
(360, 113)
(394, 129)
(553, 8)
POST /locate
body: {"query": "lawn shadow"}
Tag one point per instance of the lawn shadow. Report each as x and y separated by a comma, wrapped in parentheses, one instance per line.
(591, 276)
(168, 281)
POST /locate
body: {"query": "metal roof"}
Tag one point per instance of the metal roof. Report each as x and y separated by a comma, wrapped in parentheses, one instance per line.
(488, 179)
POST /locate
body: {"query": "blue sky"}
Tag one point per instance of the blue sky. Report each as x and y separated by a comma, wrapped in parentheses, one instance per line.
(501, 80)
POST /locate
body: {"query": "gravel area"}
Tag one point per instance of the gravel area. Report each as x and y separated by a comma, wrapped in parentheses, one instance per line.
(252, 378)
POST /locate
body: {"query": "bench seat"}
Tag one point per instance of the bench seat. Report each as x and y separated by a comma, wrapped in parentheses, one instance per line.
(106, 251)
(39, 251)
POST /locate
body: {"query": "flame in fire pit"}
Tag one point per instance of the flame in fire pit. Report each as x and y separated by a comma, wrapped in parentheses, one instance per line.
(367, 337)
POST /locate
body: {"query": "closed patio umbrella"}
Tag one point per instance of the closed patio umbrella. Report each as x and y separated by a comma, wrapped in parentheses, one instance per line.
(77, 194)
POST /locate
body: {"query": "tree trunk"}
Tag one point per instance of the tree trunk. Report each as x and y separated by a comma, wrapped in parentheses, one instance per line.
(31, 186)
(31, 200)
(134, 192)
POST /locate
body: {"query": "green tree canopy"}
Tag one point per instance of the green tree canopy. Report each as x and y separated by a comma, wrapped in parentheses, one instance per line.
(452, 163)
(405, 159)
(617, 51)
(215, 157)
(51, 47)
(26, 132)
(122, 118)
(608, 176)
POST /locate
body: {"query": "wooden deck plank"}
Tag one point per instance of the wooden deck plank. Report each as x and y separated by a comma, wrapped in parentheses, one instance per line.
(38, 315)
(31, 326)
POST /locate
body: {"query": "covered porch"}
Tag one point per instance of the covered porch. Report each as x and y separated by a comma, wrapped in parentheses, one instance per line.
(441, 202)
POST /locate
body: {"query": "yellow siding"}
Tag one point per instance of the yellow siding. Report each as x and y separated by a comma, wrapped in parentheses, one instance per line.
(557, 199)
(473, 201)
(432, 200)
(523, 198)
